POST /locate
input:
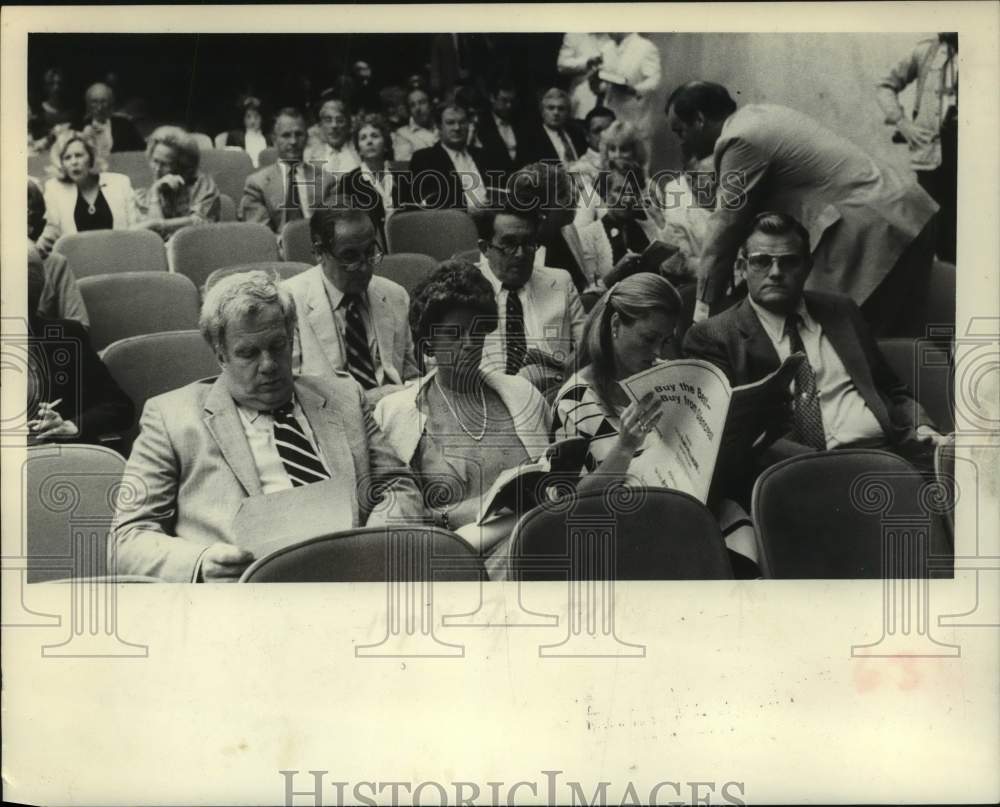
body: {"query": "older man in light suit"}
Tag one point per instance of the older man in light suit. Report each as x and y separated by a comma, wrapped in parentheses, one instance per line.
(291, 188)
(205, 448)
(872, 231)
(349, 319)
(541, 314)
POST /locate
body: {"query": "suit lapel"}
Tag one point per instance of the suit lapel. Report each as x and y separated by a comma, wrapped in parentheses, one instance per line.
(382, 323)
(223, 423)
(320, 317)
(329, 432)
(761, 356)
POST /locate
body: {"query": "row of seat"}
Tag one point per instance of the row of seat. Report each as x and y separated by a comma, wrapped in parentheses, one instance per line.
(198, 250)
(808, 524)
(127, 304)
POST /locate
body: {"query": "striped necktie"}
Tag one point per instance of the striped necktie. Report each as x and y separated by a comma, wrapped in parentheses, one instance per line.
(807, 416)
(517, 343)
(302, 463)
(359, 356)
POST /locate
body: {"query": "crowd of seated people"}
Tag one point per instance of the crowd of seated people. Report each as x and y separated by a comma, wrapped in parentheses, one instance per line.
(417, 401)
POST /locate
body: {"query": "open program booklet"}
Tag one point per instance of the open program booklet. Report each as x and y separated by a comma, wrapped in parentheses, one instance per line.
(701, 414)
(517, 489)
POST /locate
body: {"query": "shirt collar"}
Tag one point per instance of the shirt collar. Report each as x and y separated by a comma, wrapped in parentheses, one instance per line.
(415, 128)
(335, 295)
(257, 418)
(454, 154)
(774, 324)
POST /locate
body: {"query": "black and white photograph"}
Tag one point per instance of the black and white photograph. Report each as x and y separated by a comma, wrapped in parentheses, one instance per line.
(619, 409)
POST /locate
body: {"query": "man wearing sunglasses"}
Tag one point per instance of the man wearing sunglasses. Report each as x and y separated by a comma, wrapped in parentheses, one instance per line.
(844, 394)
(350, 320)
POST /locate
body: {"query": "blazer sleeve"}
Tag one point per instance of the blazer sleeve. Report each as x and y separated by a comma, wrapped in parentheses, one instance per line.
(253, 206)
(742, 170)
(129, 204)
(146, 511)
(570, 61)
(54, 200)
(61, 298)
(651, 70)
(390, 495)
(575, 314)
(701, 342)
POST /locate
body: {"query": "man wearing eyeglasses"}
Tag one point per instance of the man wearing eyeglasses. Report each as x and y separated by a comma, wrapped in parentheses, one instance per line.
(845, 394)
(540, 311)
(348, 320)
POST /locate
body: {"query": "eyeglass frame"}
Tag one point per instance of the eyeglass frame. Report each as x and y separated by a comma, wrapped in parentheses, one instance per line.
(508, 251)
(373, 258)
(747, 258)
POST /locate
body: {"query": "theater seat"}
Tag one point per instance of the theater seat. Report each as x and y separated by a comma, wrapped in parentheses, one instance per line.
(406, 268)
(296, 243)
(197, 251)
(645, 533)
(227, 208)
(69, 491)
(132, 303)
(134, 164)
(268, 156)
(229, 168)
(284, 270)
(372, 554)
(438, 233)
(102, 252)
(847, 513)
(926, 368)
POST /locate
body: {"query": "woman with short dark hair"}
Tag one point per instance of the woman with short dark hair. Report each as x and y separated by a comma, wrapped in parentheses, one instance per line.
(372, 187)
(459, 427)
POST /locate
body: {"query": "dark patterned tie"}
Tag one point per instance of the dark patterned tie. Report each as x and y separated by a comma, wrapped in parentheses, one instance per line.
(807, 418)
(517, 343)
(359, 357)
(293, 204)
(569, 153)
(301, 462)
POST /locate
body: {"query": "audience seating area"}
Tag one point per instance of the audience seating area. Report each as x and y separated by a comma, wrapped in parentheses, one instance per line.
(133, 303)
(438, 233)
(101, 252)
(848, 513)
(197, 251)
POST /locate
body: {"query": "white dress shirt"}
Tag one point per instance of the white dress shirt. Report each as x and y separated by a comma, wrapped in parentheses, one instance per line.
(576, 50)
(336, 297)
(253, 144)
(846, 417)
(337, 161)
(259, 430)
(305, 188)
(410, 138)
(472, 180)
(637, 59)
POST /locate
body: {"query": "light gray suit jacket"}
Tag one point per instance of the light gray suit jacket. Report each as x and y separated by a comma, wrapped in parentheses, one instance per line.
(319, 344)
(264, 194)
(191, 467)
(860, 213)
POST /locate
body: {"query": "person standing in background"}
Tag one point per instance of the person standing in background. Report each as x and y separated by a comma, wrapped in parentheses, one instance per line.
(636, 60)
(932, 133)
(580, 56)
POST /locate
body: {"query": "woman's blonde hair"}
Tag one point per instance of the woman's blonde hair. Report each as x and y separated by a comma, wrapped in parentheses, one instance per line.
(623, 133)
(634, 297)
(187, 153)
(63, 141)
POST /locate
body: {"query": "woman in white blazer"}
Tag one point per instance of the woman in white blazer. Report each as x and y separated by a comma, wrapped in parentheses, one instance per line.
(81, 197)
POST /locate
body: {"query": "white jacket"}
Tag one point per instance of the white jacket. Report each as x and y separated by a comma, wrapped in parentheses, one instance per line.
(60, 201)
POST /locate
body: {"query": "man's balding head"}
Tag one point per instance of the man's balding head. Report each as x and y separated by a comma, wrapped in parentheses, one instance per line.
(100, 100)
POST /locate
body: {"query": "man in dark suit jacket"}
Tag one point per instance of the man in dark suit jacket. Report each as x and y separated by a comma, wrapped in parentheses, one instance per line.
(558, 137)
(503, 141)
(450, 174)
(845, 393)
(124, 136)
